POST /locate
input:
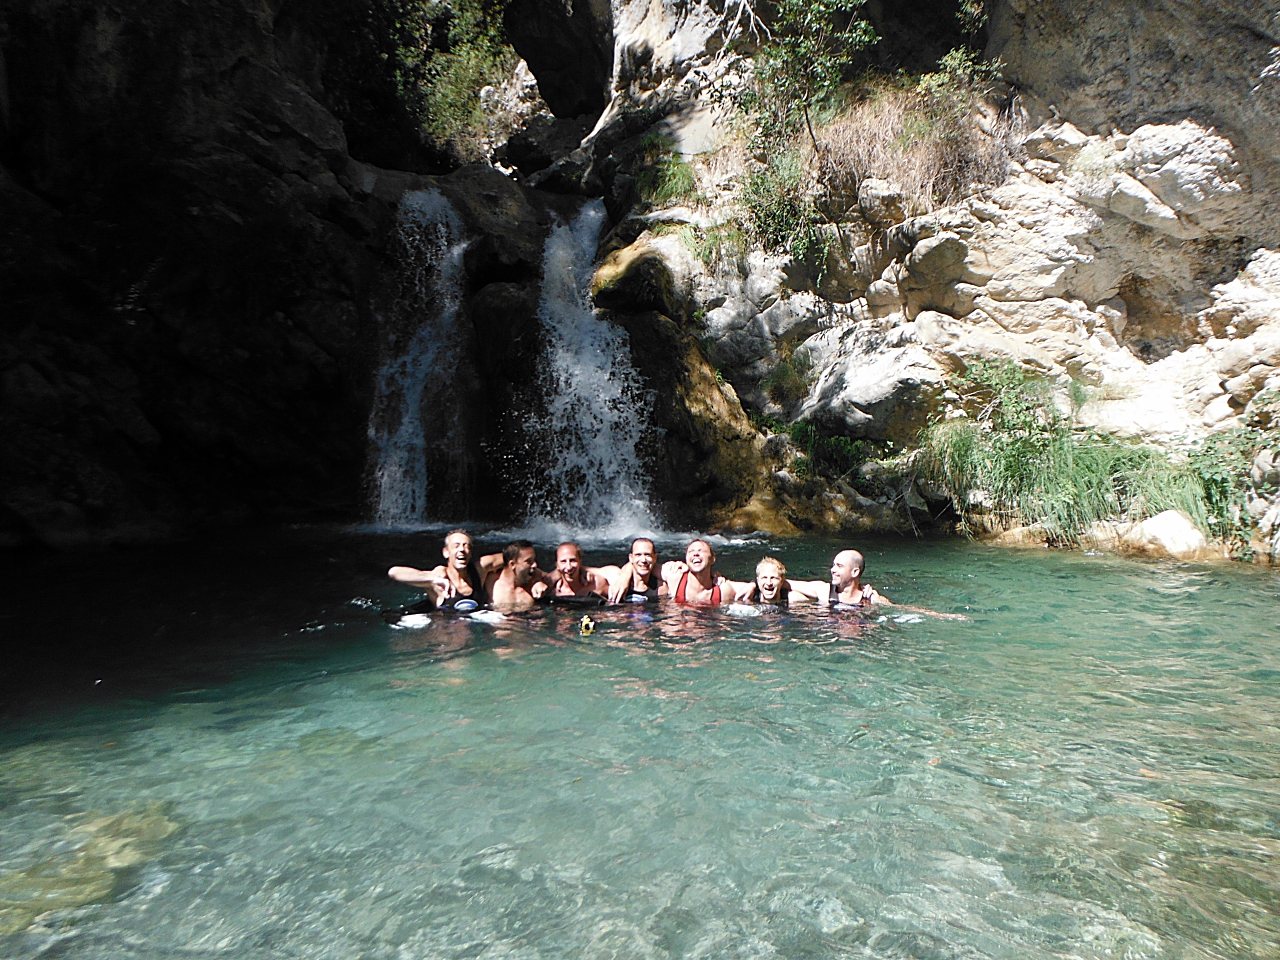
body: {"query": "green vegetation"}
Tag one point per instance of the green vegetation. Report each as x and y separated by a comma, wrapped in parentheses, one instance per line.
(780, 212)
(829, 456)
(812, 45)
(721, 243)
(664, 175)
(918, 134)
(790, 379)
(1016, 459)
(823, 454)
(972, 15)
(477, 55)
(423, 62)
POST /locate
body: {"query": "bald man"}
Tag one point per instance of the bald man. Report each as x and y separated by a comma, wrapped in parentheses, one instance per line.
(846, 588)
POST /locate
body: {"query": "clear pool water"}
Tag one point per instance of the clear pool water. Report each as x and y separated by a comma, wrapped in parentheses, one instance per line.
(225, 752)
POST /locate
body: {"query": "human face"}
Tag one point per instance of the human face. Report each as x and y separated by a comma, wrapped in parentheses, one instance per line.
(845, 569)
(642, 558)
(525, 567)
(769, 580)
(457, 551)
(698, 556)
(568, 562)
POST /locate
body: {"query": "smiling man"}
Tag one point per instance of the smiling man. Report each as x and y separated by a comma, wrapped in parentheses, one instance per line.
(772, 588)
(638, 580)
(458, 583)
(695, 581)
(572, 578)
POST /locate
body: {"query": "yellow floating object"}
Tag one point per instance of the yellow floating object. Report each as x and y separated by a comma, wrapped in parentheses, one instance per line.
(587, 626)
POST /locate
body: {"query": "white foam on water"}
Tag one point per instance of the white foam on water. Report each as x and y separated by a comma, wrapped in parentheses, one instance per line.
(488, 616)
(417, 374)
(411, 621)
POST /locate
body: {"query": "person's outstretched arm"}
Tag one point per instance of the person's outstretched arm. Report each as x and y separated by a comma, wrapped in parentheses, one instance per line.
(435, 581)
(815, 590)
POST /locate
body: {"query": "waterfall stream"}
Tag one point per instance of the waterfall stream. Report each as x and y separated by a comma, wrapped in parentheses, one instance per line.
(596, 406)
(418, 369)
(579, 457)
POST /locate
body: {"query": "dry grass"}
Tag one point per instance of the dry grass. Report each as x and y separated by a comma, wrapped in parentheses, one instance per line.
(931, 146)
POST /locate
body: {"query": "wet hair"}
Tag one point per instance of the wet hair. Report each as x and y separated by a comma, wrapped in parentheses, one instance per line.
(642, 540)
(569, 543)
(454, 533)
(511, 552)
(772, 562)
(710, 549)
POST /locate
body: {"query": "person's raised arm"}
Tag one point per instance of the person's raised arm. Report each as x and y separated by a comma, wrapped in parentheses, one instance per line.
(742, 591)
(672, 571)
(436, 577)
(490, 563)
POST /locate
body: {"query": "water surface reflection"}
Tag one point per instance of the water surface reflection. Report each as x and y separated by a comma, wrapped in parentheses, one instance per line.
(1088, 768)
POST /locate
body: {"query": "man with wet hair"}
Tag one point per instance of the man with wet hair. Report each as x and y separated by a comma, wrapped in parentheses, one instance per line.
(458, 580)
(771, 586)
(695, 581)
(637, 580)
(520, 582)
(572, 579)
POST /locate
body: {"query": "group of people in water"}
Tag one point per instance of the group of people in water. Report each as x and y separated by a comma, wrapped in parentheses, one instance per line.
(512, 579)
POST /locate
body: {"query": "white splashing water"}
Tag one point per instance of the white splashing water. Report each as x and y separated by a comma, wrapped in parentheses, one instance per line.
(416, 373)
(594, 485)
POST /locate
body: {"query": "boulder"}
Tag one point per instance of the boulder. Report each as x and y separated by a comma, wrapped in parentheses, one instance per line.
(881, 203)
(637, 279)
(1167, 535)
(937, 259)
(869, 384)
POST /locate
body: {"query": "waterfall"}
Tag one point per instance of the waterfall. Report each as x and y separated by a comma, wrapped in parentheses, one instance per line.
(421, 353)
(596, 405)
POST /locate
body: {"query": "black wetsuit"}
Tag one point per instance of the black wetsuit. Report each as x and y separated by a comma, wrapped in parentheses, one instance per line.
(472, 601)
(649, 593)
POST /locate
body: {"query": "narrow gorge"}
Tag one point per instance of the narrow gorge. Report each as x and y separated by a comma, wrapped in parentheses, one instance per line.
(250, 275)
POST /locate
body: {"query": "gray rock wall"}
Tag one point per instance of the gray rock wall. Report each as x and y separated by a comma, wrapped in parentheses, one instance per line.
(1104, 64)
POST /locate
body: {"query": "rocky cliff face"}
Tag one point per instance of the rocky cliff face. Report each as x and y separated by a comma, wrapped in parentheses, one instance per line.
(195, 260)
(1120, 64)
(201, 251)
(1126, 260)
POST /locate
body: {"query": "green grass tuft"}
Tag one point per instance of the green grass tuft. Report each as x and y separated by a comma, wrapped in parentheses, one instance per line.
(1032, 467)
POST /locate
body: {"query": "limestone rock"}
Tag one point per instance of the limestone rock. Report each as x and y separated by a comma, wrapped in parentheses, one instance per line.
(1170, 534)
(881, 203)
(1213, 63)
(871, 384)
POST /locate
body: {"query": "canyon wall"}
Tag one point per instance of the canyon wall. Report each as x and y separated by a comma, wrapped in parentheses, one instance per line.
(201, 253)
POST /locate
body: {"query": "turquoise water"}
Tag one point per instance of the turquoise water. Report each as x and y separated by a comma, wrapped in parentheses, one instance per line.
(1087, 768)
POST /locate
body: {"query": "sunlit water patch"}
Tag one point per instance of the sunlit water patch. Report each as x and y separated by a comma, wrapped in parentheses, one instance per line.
(1086, 768)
